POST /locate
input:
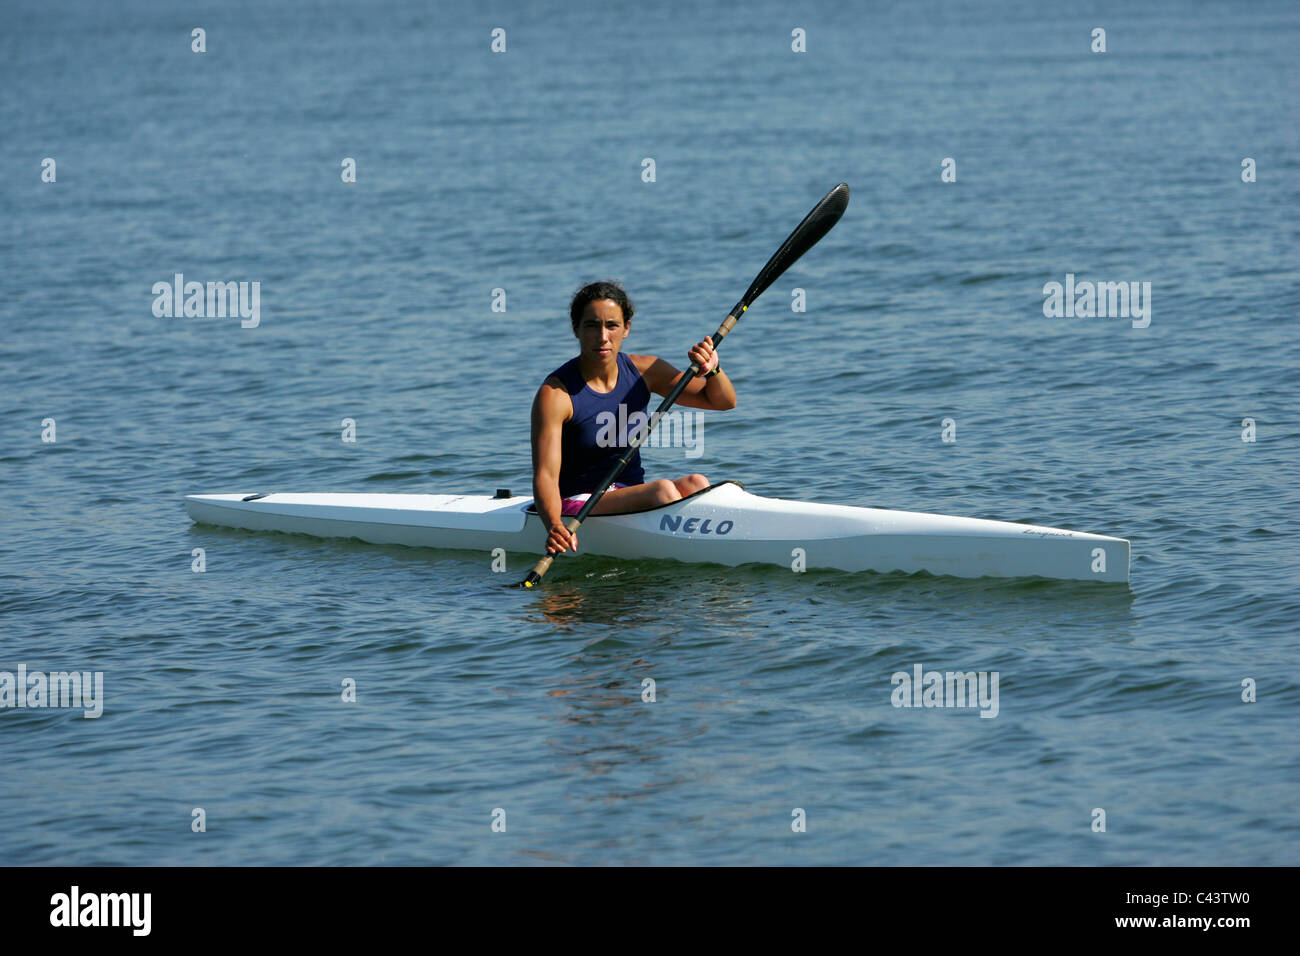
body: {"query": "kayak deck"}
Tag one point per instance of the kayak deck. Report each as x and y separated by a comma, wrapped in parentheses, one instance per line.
(723, 524)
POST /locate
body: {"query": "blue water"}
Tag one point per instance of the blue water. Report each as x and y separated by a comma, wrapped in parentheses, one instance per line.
(522, 171)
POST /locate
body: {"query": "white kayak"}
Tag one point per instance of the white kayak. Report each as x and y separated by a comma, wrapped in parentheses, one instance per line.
(724, 524)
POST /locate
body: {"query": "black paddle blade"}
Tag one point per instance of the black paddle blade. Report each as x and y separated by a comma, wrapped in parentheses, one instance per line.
(806, 235)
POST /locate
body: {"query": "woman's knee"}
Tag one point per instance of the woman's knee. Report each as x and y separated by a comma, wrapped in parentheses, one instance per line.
(666, 491)
(691, 484)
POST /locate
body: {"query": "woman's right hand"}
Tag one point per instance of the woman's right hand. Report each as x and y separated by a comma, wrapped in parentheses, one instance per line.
(560, 539)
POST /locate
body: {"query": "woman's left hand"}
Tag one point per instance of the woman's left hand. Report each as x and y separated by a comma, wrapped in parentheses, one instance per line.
(704, 356)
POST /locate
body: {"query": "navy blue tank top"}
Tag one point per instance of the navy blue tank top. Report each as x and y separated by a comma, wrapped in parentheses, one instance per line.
(598, 433)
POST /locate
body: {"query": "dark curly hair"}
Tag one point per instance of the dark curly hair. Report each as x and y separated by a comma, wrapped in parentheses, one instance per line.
(599, 290)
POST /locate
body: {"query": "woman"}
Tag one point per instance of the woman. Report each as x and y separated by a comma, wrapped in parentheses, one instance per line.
(571, 455)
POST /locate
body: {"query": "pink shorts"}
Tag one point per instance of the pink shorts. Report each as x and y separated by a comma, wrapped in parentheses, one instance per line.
(571, 506)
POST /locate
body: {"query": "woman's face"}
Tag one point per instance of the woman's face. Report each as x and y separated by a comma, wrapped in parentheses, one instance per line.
(601, 330)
